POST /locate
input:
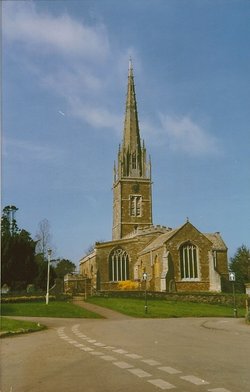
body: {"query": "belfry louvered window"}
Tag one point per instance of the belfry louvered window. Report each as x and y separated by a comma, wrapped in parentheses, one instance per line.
(189, 261)
(135, 205)
(118, 265)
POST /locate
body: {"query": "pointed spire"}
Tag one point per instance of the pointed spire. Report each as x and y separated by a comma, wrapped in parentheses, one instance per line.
(130, 66)
(132, 157)
(131, 136)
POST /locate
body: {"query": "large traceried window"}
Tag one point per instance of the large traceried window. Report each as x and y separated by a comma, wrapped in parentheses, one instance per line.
(118, 265)
(189, 261)
(135, 205)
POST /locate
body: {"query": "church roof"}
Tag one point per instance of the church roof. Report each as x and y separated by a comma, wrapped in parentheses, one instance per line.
(217, 241)
(214, 238)
(159, 241)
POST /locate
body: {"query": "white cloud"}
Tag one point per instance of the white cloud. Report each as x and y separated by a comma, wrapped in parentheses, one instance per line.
(26, 149)
(23, 23)
(97, 117)
(181, 134)
(185, 135)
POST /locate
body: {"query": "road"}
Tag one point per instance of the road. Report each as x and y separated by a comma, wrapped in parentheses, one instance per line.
(122, 354)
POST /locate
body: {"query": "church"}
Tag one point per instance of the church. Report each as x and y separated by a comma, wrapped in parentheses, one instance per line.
(164, 259)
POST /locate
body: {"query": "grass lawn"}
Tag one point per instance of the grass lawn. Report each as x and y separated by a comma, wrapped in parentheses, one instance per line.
(164, 309)
(53, 309)
(11, 327)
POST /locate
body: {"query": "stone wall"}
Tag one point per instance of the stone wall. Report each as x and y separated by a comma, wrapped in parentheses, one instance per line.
(209, 298)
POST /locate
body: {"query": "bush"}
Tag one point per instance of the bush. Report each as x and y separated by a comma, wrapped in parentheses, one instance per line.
(31, 298)
(128, 285)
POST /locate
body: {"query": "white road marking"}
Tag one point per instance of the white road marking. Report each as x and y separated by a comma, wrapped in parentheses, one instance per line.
(150, 362)
(87, 349)
(140, 373)
(161, 384)
(120, 351)
(123, 365)
(169, 370)
(218, 390)
(108, 358)
(134, 356)
(194, 380)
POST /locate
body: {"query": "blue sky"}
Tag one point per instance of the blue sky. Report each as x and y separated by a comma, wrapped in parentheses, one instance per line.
(64, 82)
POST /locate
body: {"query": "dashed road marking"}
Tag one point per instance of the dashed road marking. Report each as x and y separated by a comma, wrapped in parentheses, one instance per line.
(133, 356)
(151, 362)
(169, 370)
(108, 358)
(123, 365)
(218, 390)
(140, 373)
(194, 380)
(120, 351)
(161, 384)
(87, 349)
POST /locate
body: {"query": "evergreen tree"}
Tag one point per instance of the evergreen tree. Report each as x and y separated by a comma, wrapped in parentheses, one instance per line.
(17, 252)
(240, 264)
(64, 267)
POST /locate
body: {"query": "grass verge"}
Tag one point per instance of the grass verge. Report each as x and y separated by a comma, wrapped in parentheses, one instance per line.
(53, 309)
(164, 309)
(10, 327)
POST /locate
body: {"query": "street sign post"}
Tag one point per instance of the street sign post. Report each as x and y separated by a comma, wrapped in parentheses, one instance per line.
(232, 276)
(232, 279)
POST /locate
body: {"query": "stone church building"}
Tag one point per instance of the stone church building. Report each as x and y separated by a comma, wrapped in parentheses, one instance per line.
(170, 260)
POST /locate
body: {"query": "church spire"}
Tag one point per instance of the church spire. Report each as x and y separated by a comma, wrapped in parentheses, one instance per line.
(132, 156)
(131, 134)
(132, 196)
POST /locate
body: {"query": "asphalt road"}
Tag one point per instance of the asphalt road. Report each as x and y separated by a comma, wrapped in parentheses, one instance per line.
(122, 354)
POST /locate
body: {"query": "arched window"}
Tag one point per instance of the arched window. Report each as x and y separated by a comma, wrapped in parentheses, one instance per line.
(189, 261)
(118, 265)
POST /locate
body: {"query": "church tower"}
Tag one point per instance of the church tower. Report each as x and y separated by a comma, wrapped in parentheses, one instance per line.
(132, 195)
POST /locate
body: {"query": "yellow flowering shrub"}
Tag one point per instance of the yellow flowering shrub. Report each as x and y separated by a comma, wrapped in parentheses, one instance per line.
(128, 285)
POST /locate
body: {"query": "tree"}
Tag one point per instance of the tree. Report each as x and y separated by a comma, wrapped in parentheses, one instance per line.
(41, 277)
(43, 238)
(17, 251)
(240, 264)
(64, 267)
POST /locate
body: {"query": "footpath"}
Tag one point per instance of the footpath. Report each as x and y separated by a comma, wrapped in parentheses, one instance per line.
(104, 312)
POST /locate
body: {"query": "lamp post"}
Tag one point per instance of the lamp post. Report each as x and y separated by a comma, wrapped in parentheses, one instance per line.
(47, 293)
(144, 277)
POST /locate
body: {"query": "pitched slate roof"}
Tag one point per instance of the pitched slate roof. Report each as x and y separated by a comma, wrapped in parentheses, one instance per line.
(217, 241)
(214, 238)
(159, 241)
